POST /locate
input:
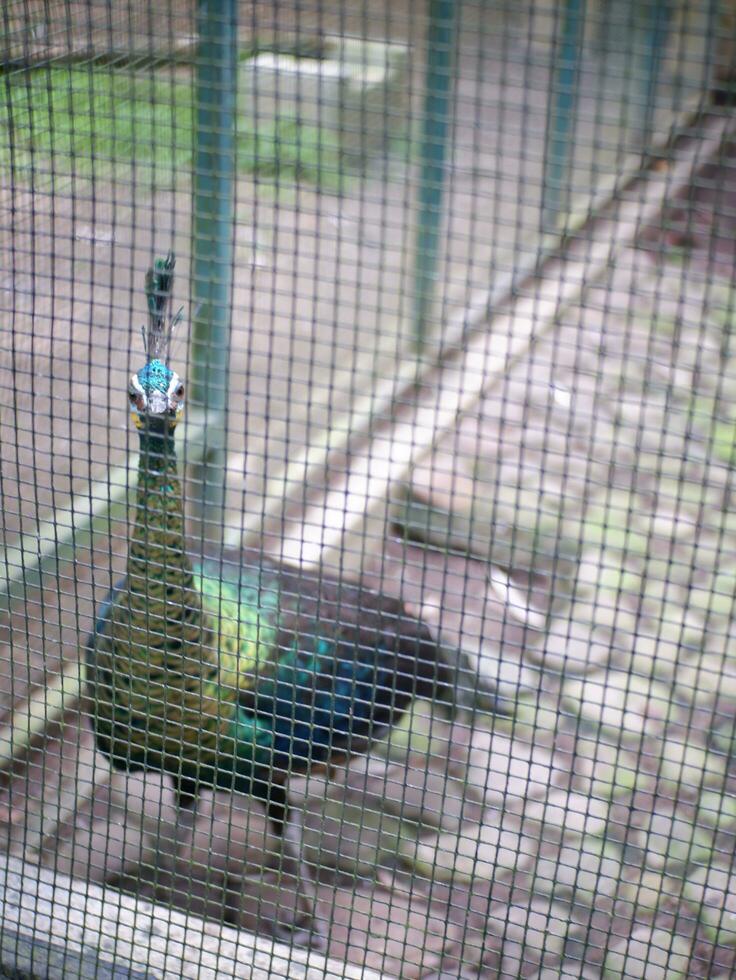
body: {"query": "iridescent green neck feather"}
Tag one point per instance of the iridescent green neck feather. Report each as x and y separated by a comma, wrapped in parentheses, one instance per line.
(160, 580)
(164, 657)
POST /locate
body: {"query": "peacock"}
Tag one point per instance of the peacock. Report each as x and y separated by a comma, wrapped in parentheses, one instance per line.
(232, 671)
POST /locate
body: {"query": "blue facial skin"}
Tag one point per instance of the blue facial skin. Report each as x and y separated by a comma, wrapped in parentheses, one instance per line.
(155, 375)
(157, 397)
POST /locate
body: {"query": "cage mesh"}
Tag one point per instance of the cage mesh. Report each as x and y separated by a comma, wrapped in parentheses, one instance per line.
(456, 284)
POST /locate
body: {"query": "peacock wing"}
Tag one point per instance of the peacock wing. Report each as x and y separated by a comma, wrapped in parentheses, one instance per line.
(342, 672)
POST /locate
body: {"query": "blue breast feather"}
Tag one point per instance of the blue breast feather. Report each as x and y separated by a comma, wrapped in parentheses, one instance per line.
(322, 702)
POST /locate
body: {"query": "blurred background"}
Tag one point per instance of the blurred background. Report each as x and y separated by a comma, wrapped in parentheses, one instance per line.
(457, 281)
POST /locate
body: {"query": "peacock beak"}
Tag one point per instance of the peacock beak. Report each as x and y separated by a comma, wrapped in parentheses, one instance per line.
(158, 402)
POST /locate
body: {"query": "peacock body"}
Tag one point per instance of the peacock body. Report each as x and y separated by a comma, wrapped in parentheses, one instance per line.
(236, 672)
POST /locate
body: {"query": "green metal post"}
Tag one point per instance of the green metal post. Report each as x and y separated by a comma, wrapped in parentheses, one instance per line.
(212, 246)
(561, 119)
(438, 93)
(656, 32)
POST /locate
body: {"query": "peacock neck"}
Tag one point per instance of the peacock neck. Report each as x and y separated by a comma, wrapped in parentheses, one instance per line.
(161, 598)
(164, 649)
(157, 556)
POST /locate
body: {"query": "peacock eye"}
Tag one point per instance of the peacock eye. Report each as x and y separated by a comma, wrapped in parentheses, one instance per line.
(132, 397)
(179, 391)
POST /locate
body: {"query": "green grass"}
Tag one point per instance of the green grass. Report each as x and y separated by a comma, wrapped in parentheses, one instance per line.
(92, 121)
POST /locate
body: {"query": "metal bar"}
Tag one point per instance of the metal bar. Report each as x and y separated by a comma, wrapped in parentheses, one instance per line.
(212, 244)
(656, 31)
(438, 108)
(561, 117)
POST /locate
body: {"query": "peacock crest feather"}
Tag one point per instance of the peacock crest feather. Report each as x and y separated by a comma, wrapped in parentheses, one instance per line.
(159, 289)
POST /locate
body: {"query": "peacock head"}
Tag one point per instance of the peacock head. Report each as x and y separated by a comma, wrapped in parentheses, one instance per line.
(156, 392)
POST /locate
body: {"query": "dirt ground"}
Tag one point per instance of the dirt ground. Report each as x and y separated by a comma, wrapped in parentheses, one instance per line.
(592, 828)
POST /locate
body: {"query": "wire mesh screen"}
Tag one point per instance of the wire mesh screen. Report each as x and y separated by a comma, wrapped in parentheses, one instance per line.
(375, 600)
